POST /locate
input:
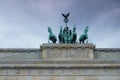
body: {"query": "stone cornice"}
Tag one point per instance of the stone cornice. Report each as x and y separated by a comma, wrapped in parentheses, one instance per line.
(13, 50)
(107, 49)
(48, 45)
(58, 64)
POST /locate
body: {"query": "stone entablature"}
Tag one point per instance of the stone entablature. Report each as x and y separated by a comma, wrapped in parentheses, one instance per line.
(60, 70)
(60, 62)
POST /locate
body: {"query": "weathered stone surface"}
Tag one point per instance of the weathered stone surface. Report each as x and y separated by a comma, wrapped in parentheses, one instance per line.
(60, 77)
(19, 54)
(107, 53)
(60, 62)
(60, 70)
(67, 51)
(35, 54)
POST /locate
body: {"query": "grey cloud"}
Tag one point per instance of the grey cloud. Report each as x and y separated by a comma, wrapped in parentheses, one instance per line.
(25, 22)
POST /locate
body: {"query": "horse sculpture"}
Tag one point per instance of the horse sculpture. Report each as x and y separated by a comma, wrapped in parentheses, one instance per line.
(52, 37)
(60, 36)
(84, 36)
(74, 35)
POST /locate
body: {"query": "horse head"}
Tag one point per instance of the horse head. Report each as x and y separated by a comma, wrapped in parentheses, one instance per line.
(61, 29)
(86, 29)
(49, 30)
(84, 36)
(74, 28)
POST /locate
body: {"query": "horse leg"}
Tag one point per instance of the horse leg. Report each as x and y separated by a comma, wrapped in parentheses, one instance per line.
(54, 41)
(80, 41)
(83, 41)
(87, 41)
(74, 41)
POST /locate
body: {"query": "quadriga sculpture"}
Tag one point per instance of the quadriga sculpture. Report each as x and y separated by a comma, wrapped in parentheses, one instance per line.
(84, 36)
(66, 35)
(52, 37)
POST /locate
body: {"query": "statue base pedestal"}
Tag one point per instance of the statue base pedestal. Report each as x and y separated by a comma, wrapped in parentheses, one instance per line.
(60, 52)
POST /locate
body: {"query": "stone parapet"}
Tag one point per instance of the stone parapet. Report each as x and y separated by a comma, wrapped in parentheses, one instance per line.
(107, 49)
(7, 54)
(20, 50)
(107, 53)
(67, 51)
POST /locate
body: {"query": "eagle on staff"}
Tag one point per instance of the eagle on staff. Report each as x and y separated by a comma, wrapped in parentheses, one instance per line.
(66, 18)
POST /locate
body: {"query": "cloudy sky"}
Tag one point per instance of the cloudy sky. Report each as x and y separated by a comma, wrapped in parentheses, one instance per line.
(23, 23)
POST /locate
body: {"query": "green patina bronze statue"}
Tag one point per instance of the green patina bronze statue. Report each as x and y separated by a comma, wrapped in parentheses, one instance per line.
(84, 36)
(61, 36)
(74, 35)
(67, 35)
(66, 18)
(52, 37)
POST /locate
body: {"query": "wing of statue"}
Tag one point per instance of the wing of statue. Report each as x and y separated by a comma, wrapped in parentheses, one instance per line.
(67, 14)
(63, 15)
